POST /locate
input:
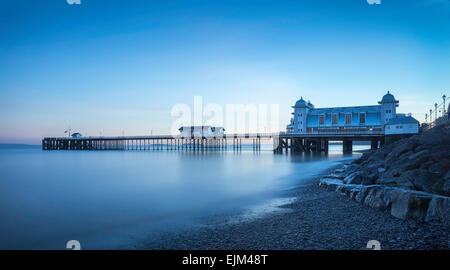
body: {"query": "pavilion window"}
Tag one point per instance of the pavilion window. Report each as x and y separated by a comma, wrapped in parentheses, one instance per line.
(362, 118)
(321, 119)
(334, 119)
(348, 119)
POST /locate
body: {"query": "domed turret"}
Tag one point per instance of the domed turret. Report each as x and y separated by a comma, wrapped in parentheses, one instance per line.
(388, 107)
(388, 98)
(310, 105)
(300, 113)
(300, 103)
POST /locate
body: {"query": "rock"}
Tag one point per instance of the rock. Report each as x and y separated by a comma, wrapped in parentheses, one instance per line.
(353, 193)
(380, 197)
(350, 190)
(440, 184)
(394, 173)
(406, 150)
(362, 194)
(335, 176)
(368, 180)
(354, 178)
(386, 180)
(418, 154)
(405, 180)
(424, 180)
(361, 159)
(375, 164)
(340, 190)
(330, 184)
(426, 164)
(352, 168)
(369, 177)
(410, 204)
(446, 187)
(409, 165)
(381, 170)
(325, 181)
(439, 210)
(399, 207)
(418, 206)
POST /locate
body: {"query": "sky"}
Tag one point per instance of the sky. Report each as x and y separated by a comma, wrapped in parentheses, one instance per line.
(119, 67)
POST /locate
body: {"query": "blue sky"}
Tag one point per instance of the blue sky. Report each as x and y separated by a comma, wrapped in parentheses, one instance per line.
(120, 66)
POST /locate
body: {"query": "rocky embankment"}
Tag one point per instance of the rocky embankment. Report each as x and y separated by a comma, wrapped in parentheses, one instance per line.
(410, 178)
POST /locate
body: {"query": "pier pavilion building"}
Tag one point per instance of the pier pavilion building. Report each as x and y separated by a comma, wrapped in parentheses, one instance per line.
(381, 118)
(311, 128)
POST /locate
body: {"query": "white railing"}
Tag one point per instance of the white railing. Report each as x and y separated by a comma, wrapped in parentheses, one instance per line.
(340, 132)
(196, 136)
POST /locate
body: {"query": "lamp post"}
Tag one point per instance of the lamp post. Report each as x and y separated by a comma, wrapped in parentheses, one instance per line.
(435, 111)
(426, 116)
(443, 111)
(431, 116)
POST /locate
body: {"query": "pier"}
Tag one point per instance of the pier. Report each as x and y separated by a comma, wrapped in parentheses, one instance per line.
(282, 142)
(150, 143)
(310, 129)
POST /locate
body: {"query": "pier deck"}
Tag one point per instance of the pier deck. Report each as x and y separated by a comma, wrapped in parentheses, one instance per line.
(281, 142)
(158, 142)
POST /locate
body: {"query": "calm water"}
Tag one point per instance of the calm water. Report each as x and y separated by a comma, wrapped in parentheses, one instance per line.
(111, 199)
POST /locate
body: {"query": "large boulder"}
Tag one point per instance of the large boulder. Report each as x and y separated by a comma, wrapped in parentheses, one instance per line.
(399, 207)
(340, 170)
(335, 175)
(361, 196)
(354, 178)
(410, 204)
(439, 210)
(418, 155)
(387, 180)
(445, 189)
(401, 148)
(370, 176)
(381, 197)
(352, 168)
(330, 183)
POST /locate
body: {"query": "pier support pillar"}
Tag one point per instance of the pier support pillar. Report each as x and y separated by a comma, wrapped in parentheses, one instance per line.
(373, 144)
(347, 146)
(296, 145)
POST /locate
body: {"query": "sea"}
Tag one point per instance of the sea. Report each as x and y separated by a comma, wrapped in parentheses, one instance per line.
(114, 199)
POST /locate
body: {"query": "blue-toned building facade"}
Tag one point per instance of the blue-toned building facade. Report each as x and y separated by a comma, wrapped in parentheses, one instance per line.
(357, 119)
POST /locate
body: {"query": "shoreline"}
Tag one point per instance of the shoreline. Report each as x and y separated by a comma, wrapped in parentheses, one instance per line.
(316, 219)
